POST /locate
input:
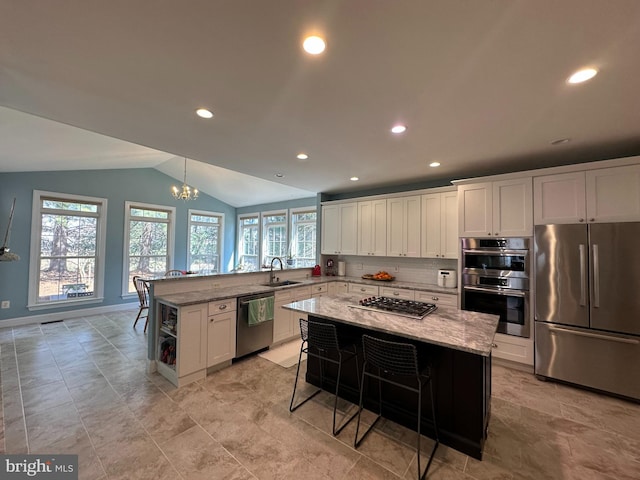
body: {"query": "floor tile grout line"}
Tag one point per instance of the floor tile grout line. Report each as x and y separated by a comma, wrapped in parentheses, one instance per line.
(24, 417)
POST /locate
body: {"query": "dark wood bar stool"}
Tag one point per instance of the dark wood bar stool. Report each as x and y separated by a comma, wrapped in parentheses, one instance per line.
(392, 362)
(320, 340)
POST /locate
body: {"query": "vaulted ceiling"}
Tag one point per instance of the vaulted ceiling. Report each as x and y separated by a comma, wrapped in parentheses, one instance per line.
(481, 86)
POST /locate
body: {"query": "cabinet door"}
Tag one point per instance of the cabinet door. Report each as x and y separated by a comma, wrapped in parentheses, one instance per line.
(440, 299)
(330, 229)
(613, 194)
(365, 228)
(379, 228)
(403, 226)
(192, 339)
(348, 229)
(282, 329)
(431, 225)
(221, 338)
(559, 198)
(449, 244)
(513, 208)
(475, 210)
(363, 289)
(395, 226)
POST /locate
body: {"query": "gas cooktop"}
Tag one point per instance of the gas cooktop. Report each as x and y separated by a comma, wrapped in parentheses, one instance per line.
(397, 306)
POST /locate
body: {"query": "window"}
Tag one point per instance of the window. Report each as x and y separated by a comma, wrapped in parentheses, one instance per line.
(148, 242)
(302, 251)
(67, 249)
(248, 246)
(274, 236)
(205, 241)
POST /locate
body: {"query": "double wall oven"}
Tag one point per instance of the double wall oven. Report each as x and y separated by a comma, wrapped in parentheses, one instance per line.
(495, 279)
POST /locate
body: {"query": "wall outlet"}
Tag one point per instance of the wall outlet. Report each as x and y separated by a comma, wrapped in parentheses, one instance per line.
(396, 268)
(6, 304)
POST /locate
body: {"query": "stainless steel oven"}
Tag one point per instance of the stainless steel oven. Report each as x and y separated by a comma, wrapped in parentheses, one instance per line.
(495, 279)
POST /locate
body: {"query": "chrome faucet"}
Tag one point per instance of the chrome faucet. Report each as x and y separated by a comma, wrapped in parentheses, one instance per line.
(271, 275)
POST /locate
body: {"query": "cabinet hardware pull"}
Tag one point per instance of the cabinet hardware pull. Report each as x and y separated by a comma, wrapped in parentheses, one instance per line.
(630, 341)
(592, 219)
(494, 345)
(581, 219)
(222, 307)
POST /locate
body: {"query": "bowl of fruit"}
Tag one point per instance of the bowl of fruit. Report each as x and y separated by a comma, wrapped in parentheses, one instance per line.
(381, 276)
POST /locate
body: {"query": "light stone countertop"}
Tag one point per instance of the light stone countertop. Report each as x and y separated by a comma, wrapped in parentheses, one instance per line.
(448, 327)
(223, 293)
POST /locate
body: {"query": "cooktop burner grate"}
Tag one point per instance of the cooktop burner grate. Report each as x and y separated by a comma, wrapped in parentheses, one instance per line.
(397, 306)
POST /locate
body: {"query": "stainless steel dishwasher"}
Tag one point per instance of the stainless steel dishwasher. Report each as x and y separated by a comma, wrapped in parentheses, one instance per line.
(252, 338)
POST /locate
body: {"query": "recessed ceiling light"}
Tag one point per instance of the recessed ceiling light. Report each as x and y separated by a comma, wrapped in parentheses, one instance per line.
(434, 164)
(398, 129)
(204, 113)
(354, 179)
(314, 45)
(560, 141)
(302, 156)
(279, 175)
(583, 75)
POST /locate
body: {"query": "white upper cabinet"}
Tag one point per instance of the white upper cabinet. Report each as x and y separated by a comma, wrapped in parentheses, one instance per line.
(403, 226)
(372, 228)
(496, 209)
(339, 229)
(559, 198)
(602, 195)
(440, 225)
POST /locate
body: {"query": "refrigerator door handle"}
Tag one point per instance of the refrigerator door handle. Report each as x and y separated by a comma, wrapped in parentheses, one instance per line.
(583, 276)
(631, 341)
(596, 277)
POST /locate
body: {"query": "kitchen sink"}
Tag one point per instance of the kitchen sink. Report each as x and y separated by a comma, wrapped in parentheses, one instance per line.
(280, 284)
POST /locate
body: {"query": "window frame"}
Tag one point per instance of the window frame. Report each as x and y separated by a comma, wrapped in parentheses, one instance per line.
(291, 239)
(239, 233)
(264, 232)
(171, 232)
(206, 213)
(35, 245)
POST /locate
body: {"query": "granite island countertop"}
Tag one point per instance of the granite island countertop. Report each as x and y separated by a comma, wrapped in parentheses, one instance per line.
(448, 327)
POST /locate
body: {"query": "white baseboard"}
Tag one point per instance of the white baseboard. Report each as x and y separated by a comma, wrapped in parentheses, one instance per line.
(54, 317)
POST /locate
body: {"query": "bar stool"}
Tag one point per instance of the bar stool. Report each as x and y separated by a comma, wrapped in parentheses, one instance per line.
(319, 340)
(387, 361)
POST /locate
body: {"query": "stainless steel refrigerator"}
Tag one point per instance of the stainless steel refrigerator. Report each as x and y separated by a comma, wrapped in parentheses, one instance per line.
(587, 305)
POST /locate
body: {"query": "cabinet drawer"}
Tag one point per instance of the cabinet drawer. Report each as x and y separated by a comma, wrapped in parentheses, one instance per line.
(397, 293)
(320, 288)
(221, 306)
(364, 289)
(440, 299)
(293, 294)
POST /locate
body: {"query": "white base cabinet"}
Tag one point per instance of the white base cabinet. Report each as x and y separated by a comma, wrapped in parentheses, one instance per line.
(286, 323)
(440, 299)
(182, 342)
(514, 349)
(221, 332)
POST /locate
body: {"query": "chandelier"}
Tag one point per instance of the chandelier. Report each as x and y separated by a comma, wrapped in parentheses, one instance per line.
(186, 193)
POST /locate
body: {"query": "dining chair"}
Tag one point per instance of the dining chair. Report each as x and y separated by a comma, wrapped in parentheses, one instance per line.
(142, 288)
(173, 273)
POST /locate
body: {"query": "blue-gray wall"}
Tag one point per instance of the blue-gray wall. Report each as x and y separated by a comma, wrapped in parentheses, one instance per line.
(145, 185)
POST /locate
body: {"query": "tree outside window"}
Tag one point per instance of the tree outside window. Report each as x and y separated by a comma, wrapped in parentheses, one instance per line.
(302, 252)
(248, 245)
(205, 241)
(67, 260)
(149, 242)
(274, 237)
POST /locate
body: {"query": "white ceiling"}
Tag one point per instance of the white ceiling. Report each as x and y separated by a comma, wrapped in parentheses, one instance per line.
(481, 85)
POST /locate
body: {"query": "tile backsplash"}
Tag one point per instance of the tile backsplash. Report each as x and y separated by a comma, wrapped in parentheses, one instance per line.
(419, 270)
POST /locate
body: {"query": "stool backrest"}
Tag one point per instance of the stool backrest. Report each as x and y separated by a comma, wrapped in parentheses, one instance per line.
(322, 336)
(142, 288)
(393, 357)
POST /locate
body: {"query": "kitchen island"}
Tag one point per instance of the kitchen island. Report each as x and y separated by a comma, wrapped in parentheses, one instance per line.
(458, 343)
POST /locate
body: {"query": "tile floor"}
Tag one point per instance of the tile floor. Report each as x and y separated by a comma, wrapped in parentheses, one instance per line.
(80, 386)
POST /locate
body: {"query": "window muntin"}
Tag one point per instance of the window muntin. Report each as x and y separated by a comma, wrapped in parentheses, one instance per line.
(148, 242)
(248, 243)
(67, 250)
(205, 241)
